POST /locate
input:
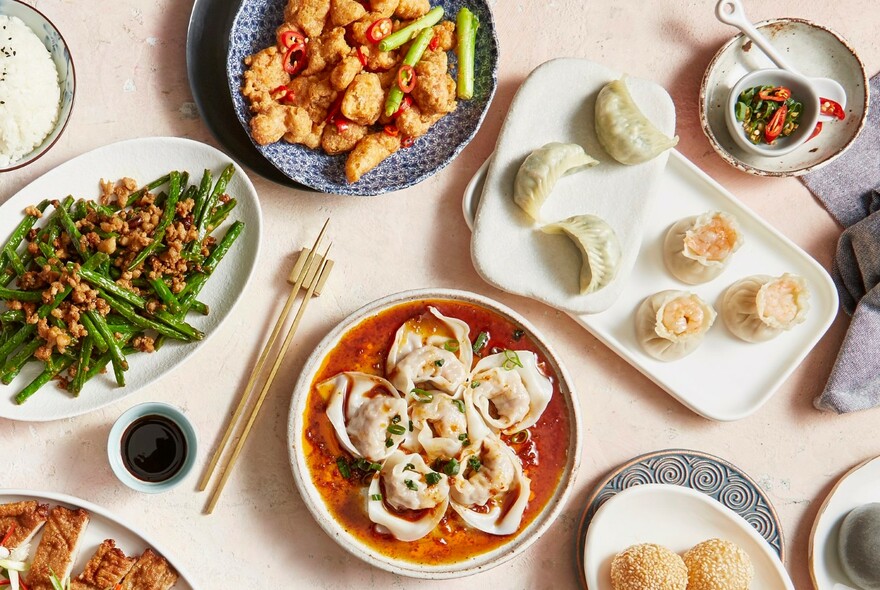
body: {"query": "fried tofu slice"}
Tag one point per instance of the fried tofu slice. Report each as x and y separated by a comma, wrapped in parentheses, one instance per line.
(150, 572)
(23, 519)
(334, 141)
(345, 12)
(434, 91)
(410, 9)
(264, 73)
(345, 71)
(105, 569)
(327, 51)
(363, 100)
(58, 547)
(311, 16)
(369, 153)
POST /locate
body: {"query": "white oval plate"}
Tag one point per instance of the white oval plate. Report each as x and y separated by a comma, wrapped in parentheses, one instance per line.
(677, 518)
(312, 497)
(861, 485)
(102, 525)
(816, 51)
(144, 160)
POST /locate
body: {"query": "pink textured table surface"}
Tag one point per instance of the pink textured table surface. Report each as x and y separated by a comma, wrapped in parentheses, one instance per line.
(132, 82)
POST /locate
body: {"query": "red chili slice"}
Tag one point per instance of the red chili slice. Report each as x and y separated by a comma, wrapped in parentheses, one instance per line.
(290, 38)
(407, 141)
(404, 104)
(361, 57)
(342, 124)
(776, 94)
(334, 109)
(380, 29)
(816, 131)
(829, 107)
(435, 42)
(295, 59)
(391, 130)
(774, 126)
(406, 78)
(8, 534)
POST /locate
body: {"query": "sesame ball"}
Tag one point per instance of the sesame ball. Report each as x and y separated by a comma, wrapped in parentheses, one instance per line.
(648, 567)
(718, 565)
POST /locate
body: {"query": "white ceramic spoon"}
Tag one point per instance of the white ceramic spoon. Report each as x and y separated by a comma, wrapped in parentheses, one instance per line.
(731, 12)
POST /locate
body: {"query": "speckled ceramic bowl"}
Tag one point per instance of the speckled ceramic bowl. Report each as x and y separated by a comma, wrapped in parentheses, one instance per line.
(516, 543)
(54, 42)
(815, 51)
(254, 29)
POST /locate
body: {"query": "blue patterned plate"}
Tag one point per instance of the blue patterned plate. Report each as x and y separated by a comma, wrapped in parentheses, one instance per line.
(254, 29)
(698, 471)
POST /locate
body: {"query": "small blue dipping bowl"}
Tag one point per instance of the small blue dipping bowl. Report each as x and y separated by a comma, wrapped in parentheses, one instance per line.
(114, 446)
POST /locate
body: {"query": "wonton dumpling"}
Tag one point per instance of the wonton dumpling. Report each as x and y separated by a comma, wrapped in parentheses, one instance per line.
(508, 391)
(697, 249)
(672, 324)
(598, 245)
(623, 130)
(403, 478)
(438, 425)
(491, 476)
(761, 307)
(361, 407)
(541, 169)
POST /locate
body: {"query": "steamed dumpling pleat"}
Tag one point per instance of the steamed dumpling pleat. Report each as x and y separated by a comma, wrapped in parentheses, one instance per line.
(672, 324)
(761, 307)
(599, 248)
(439, 424)
(697, 249)
(541, 169)
(623, 130)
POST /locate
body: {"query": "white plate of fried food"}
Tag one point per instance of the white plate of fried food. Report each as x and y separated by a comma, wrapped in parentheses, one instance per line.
(73, 539)
(668, 536)
(143, 160)
(721, 375)
(312, 83)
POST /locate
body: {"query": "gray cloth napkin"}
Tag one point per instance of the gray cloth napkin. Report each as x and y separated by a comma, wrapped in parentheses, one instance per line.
(848, 188)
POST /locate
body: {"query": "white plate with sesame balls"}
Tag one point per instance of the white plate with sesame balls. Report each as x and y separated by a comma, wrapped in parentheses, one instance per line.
(677, 518)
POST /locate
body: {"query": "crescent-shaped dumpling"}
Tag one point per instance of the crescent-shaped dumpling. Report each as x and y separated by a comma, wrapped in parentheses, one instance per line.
(697, 249)
(672, 324)
(623, 130)
(761, 307)
(361, 407)
(541, 169)
(491, 492)
(412, 504)
(508, 391)
(598, 245)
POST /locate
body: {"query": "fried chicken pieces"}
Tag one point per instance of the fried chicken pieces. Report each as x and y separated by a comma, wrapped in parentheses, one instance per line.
(331, 93)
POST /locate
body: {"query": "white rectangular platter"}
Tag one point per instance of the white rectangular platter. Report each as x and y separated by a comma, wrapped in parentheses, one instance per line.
(725, 379)
(102, 525)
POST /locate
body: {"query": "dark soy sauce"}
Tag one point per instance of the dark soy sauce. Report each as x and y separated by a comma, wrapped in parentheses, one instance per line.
(153, 448)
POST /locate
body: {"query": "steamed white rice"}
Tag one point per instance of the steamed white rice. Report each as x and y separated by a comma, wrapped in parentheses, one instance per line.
(30, 94)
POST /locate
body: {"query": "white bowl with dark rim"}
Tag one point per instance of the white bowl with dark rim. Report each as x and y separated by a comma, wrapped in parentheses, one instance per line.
(472, 564)
(56, 45)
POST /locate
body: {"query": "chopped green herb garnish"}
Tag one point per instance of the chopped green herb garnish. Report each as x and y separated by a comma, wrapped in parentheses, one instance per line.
(409, 467)
(520, 437)
(438, 363)
(432, 478)
(389, 443)
(420, 395)
(451, 345)
(396, 429)
(474, 463)
(410, 426)
(511, 360)
(465, 441)
(480, 342)
(459, 404)
(451, 468)
(342, 465)
(517, 334)
(411, 484)
(396, 419)
(475, 384)
(376, 497)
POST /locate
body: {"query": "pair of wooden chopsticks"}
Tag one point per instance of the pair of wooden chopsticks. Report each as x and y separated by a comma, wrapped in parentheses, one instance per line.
(309, 273)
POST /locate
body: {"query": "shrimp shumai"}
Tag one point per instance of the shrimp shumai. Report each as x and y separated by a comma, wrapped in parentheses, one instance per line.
(434, 432)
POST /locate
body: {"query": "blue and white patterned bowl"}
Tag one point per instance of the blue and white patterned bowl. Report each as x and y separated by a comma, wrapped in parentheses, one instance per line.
(57, 47)
(698, 471)
(254, 29)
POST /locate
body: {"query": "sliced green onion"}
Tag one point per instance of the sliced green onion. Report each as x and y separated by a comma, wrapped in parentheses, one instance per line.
(511, 360)
(480, 342)
(451, 345)
(396, 419)
(474, 463)
(344, 469)
(420, 395)
(411, 484)
(409, 467)
(438, 363)
(396, 429)
(376, 497)
(520, 437)
(433, 478)
(389, 443)
(398, 38)
(459, 404)
(451, 468)
(410, 426)
(517, 334)
(465, 441)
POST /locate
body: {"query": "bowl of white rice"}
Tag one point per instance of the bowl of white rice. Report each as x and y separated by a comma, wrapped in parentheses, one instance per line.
(37, 84)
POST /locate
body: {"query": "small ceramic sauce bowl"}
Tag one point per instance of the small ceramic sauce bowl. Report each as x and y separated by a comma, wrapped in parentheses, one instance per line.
(178, 427)
(801, 91)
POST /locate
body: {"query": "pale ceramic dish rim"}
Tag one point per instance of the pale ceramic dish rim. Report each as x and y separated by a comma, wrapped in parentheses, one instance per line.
(731, 159)
(58, 130)
(114, 446)
(695, 496)
(821, 514)
(74, 502)
(318, 509)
